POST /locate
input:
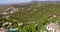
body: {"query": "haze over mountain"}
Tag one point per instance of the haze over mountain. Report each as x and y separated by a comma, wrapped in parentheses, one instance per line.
(20, 1)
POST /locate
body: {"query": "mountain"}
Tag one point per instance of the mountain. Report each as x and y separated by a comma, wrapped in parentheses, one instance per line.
(29, 3)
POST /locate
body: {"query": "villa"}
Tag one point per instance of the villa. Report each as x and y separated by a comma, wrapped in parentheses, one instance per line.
(53, 27)
(3, 30)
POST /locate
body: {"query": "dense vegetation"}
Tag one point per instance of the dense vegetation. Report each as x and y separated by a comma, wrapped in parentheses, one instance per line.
(34, 17)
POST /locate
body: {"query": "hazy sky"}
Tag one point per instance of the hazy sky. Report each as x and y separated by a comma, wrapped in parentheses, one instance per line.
(13, 1)
(19, 1)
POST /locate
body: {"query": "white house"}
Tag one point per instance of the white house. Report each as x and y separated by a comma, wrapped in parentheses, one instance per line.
(53, 27)
(3, 30)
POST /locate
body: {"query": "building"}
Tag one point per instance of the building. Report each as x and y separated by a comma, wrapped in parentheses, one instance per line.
(53, 27)
(3, 30)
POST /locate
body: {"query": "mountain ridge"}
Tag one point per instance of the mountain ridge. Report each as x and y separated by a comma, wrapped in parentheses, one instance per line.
(21, 4)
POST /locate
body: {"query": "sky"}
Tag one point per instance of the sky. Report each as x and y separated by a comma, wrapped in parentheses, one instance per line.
(19, 1)
(13, 1)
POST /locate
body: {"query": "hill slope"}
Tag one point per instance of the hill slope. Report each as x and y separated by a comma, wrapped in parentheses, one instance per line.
(34, 17)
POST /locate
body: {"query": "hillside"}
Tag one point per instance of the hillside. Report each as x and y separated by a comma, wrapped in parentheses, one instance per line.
(32, 17)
